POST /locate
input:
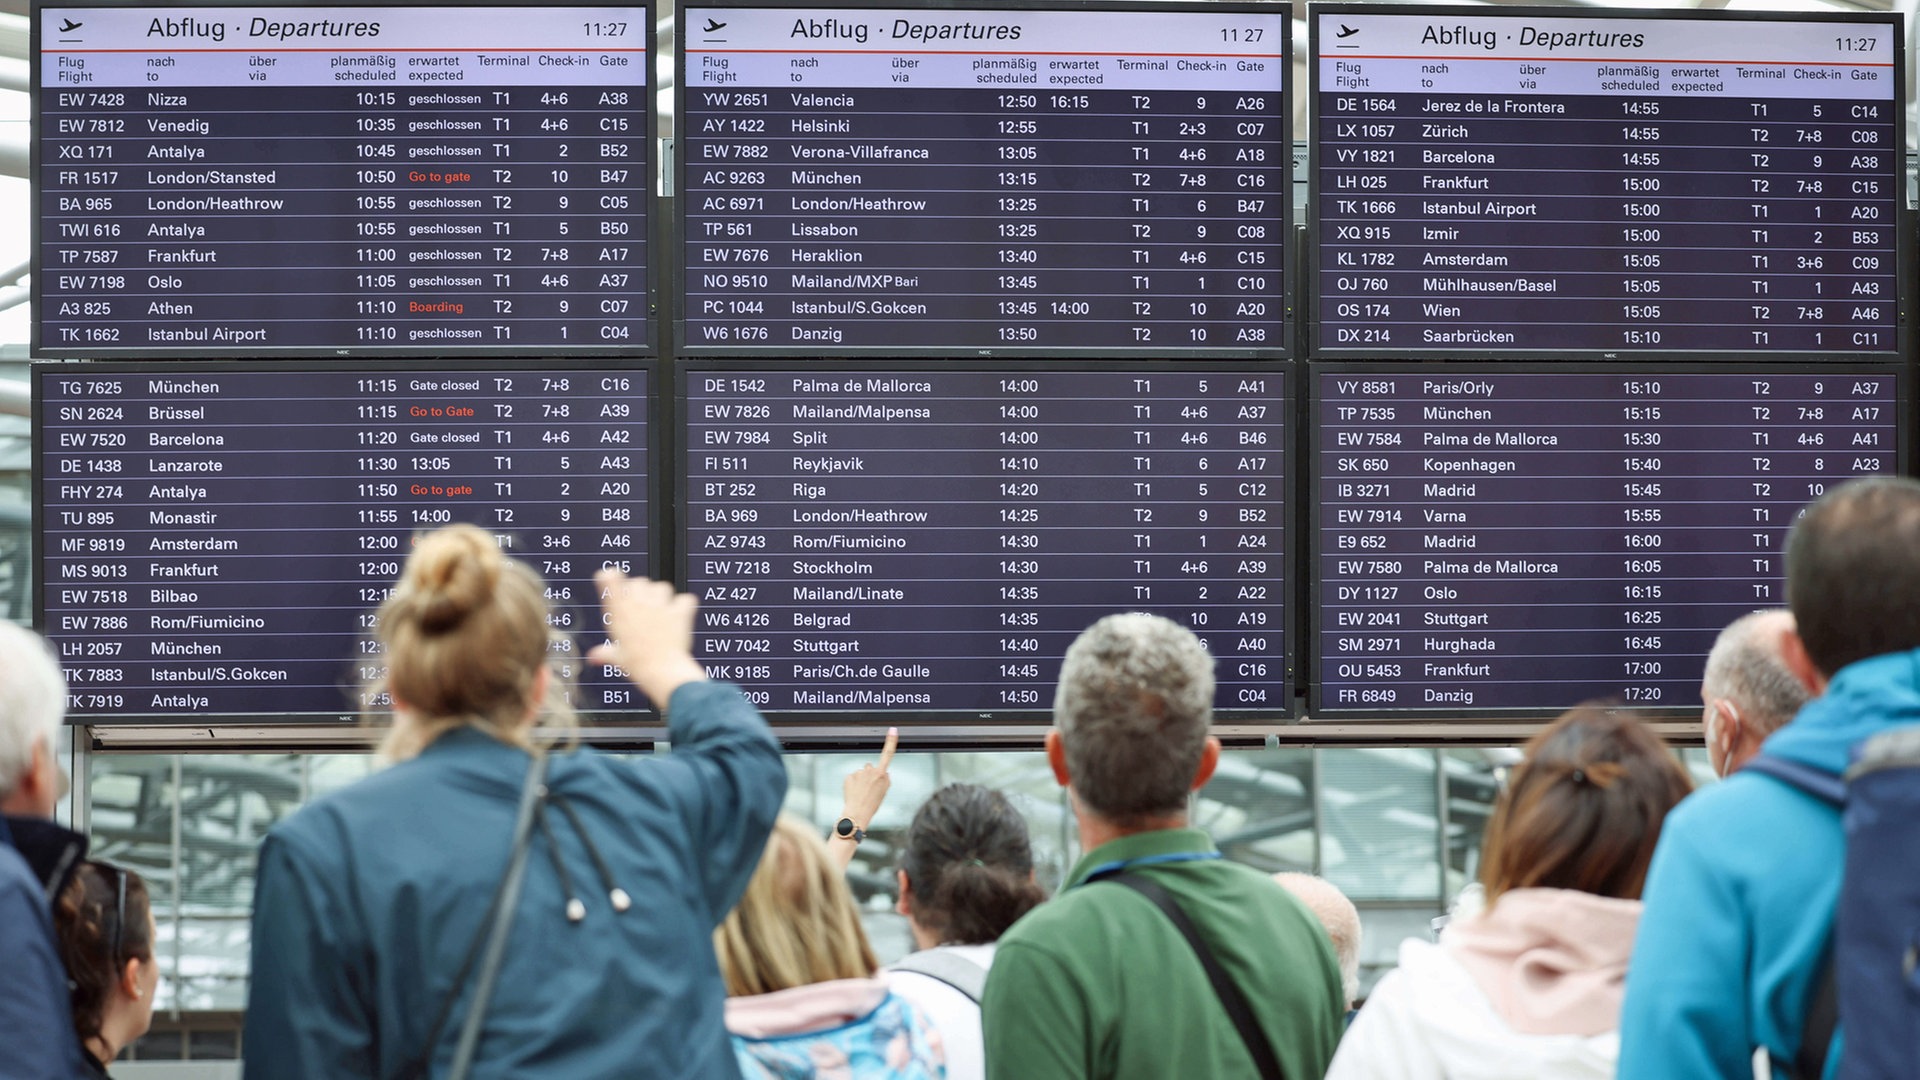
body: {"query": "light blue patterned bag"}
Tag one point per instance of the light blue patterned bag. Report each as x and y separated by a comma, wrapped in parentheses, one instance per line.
(893, 1042)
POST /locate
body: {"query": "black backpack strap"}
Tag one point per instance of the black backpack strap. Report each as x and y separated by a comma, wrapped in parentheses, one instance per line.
(1823, 1018)
(1823, 1008)
(942, 966)
(1230, 996)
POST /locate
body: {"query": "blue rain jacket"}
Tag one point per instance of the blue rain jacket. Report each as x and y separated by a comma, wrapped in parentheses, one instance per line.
(36, 1015)
(1741, 894)
(368, 900)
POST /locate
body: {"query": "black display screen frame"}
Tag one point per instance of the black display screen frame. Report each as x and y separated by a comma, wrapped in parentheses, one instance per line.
(966, 727)
(677, 270)
(1905, 418)
(641, 716)
(645, 187)
(1312, 272)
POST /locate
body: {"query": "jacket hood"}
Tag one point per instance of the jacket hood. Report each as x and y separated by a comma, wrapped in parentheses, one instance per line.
(1550, 961)
(1862, 700)
(1469, 1038)
(805, 1009)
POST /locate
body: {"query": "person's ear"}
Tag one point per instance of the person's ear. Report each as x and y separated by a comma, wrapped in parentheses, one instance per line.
(1793, 652)
(542, 682)
(904, 905)
(130, 978)
(1732, 730)
(1057, 757)
(1209, 761)
(1723, 737)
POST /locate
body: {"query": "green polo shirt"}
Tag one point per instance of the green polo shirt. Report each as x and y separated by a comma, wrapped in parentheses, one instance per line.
(1098, 983)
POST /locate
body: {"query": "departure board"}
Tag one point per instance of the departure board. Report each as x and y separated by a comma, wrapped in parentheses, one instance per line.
(213, 541)
(930, 541)
(976, 180)
(1543, 181)
(342, 180)
(1515, 540)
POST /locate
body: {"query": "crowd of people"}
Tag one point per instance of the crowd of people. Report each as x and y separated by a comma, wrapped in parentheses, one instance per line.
(502, 902)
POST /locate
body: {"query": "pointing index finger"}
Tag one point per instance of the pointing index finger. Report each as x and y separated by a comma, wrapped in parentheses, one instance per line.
(887, 749)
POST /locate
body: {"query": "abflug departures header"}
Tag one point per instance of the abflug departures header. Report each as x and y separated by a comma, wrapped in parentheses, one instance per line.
(342, 180)
(984, 181)
(1536, 182)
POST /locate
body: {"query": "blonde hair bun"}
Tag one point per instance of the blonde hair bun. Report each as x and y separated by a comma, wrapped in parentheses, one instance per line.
(466, 637)
(453, 573)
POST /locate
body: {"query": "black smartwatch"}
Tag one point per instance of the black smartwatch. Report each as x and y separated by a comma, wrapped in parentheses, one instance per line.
(847, 830)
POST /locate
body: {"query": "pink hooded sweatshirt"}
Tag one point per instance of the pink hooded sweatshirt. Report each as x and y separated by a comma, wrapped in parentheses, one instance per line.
(1551, 961)
(1530, 990)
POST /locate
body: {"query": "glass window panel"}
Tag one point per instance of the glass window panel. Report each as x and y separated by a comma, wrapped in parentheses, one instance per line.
(1474, 778)
(1379, 827)
(214, 1045)
(158, 1046)
(191, 825)
(1258, 807)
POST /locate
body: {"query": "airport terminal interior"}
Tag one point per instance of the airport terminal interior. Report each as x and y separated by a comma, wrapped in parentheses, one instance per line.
(1394, 820)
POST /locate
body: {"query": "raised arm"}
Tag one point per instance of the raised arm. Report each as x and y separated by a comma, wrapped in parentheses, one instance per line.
(725, 773)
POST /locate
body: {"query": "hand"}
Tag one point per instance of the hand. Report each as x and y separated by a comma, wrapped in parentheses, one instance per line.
(866, 787)
(652, 634)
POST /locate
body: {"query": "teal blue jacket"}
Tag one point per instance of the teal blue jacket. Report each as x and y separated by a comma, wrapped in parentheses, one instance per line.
(368, 900)
(1741, 894)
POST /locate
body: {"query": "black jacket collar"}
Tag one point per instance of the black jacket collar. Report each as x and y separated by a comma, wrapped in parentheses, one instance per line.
(52, 850)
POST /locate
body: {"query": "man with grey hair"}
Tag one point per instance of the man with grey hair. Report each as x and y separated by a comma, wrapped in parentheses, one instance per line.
(1102, 981)
(1748, 690)
(1340, 919)
(36, 1022)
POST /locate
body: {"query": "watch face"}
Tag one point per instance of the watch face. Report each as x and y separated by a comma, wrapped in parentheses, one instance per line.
(845, 828)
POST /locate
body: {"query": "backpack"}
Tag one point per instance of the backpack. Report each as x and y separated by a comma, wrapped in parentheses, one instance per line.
(893, 1042)
(948, 968)
(1870, 983)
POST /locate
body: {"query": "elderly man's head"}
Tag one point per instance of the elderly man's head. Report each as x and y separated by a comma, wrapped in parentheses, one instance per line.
(1340, 918)
(1748, 691)
(1130, 719)
(33, 700)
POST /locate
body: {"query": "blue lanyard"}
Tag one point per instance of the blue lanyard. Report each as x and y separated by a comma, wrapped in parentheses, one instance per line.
(1119, 866)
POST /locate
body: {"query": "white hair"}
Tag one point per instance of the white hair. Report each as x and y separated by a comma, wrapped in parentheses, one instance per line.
(1340, 918)
(33, 702)
(1747, 666)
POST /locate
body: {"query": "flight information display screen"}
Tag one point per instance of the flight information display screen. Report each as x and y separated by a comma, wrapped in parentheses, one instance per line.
(1542, 181)
(931, 541)
(976, 180)
(325, 180)
(1515, 540)
(213, 541)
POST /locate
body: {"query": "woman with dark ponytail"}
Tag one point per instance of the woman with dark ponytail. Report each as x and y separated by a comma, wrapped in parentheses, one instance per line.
(1530, 986)
(104, 923)
(966, 875)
